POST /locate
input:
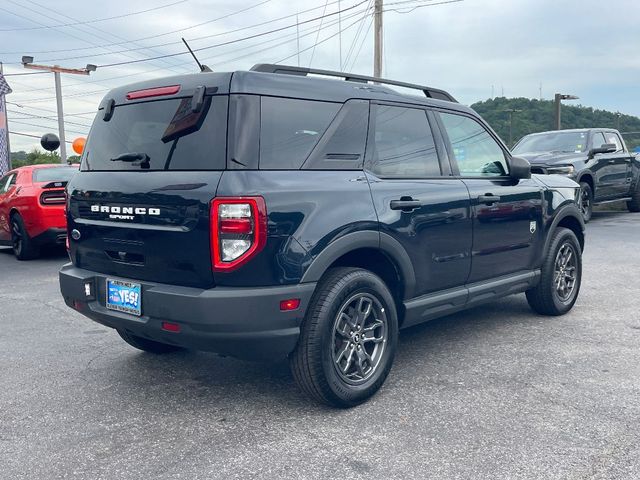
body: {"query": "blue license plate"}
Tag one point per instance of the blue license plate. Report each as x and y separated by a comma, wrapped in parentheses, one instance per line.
(124, 297)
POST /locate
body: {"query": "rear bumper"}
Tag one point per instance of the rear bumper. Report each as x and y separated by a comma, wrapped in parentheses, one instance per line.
(51, 236)
(239, 322)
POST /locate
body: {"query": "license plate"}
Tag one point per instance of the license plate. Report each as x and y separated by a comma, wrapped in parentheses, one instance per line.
(124, 297)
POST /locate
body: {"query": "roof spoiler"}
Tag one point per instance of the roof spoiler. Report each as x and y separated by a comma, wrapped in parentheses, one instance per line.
(428, 92)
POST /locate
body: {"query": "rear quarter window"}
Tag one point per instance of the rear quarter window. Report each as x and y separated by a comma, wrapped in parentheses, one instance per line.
(290, 128)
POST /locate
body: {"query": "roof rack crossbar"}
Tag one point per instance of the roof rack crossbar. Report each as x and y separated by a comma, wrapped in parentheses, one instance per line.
(303, 71)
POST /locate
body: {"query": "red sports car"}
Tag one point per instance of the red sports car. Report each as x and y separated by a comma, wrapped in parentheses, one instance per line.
(32, 202)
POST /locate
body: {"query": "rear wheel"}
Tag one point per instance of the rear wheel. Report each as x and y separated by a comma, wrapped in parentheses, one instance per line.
(145, 344)
(348, 338)
(561, 276)
(634, 204)
(586, 201)
(23, 246)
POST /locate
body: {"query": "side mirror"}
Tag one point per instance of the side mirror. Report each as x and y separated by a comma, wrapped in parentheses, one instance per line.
(519, 168)
(606, 148)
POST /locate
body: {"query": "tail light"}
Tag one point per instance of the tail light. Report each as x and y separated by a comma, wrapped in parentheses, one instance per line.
(53, 197)
(238, 231)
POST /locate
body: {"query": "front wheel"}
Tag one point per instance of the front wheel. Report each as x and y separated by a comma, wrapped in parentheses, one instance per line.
(561, 276)
(586, 201)
(348, 338)
(634, 204)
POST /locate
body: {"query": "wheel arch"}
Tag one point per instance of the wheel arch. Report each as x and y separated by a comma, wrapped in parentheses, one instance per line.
(588, 177)
(569, 217)
(375, 251)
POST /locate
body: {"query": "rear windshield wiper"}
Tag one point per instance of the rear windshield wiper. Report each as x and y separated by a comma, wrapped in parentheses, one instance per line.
(141, 157)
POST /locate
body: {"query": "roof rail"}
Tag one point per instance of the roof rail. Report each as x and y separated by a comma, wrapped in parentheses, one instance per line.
(350, 77)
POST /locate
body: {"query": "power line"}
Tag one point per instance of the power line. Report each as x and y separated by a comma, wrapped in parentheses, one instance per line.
(171, 32)
(31, 115)
(43, 127)
(237, 40)
(32, 136)
(321, 41)
(92, 21)
(83, 38)
(92, 30)
(318, 34)
(206, 58)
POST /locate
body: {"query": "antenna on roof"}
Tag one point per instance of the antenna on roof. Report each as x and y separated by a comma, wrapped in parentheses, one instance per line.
(203, 68)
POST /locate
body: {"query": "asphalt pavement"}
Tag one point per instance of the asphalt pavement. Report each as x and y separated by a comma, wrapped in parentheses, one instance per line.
(496, 392)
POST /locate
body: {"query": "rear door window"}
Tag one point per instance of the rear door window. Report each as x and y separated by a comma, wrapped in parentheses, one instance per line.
(290, 128)
(166, 132)
(403, 144)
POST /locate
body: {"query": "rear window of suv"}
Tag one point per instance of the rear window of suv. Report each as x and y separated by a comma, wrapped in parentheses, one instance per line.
(159, 135)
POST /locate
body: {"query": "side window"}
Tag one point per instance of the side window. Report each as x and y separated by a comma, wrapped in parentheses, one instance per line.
(403, 145)
(6, 181)
(474, 149)
(289, 129)
(612, 137)
(598, 140)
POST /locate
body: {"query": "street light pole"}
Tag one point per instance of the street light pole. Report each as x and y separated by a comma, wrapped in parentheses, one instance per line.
(63, 144)
(558, 104)
(27, 62)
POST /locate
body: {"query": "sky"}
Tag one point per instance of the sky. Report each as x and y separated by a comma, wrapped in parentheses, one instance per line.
(472, 48)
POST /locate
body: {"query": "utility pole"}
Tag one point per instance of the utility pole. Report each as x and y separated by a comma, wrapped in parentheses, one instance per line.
(377, 35)
(511, 111)
(27, 62)
(558, 104)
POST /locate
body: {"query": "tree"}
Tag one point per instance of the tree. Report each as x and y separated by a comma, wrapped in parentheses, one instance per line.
(538, 116)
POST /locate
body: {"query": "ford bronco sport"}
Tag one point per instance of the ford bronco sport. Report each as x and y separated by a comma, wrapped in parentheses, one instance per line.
(271, 213)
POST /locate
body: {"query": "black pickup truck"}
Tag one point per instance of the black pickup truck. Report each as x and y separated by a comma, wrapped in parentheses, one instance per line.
(596, 158)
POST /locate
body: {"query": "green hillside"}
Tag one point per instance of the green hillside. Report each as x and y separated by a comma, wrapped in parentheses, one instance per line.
(538, 116)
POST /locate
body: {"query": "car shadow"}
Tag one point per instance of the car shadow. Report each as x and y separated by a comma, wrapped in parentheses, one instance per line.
(197, 380)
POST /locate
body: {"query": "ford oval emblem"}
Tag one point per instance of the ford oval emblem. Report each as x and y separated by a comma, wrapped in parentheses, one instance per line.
(75, 234)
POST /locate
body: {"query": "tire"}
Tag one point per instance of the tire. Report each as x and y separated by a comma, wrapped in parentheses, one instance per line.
(147, 345)
(547, 298)
(634, 204)
(23, 245)
(363, 351)
(586, 201)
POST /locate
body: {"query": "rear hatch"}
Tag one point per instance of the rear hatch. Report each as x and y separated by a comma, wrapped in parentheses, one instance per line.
(140, 203)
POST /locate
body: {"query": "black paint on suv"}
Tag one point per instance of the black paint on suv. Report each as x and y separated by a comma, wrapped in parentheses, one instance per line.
(271, 214)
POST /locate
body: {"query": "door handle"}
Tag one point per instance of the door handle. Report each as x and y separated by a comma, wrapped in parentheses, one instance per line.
(406, 204)
(612, 161)
(488, 199)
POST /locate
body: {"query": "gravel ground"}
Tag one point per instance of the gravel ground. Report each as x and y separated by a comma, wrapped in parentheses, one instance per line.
(495, 392)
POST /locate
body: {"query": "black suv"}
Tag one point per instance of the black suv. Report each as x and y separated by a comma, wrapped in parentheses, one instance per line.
(272, 213)
(596, 158)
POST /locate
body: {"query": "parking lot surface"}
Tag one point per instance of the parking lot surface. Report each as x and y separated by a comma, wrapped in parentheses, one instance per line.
(494, 392)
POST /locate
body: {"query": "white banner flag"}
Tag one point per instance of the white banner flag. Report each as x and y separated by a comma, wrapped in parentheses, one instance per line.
(5, 160)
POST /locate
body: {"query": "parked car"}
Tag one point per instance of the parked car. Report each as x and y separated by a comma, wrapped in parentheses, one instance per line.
(597, 158)
(269, 213)
(32, 203)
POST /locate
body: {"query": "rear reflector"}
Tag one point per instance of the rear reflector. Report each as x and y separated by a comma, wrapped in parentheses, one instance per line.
(288, 305)
(153, 92)
(171, 327)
